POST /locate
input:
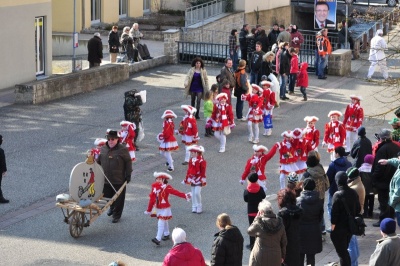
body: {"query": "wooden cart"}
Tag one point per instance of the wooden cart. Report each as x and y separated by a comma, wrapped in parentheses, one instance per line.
(78, 217)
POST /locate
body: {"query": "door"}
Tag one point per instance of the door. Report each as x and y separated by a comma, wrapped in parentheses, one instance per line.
(95, 11)
(39, 45)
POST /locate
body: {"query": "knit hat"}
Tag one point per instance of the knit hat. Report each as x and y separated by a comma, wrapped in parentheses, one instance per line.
(253, 178)
(292, 178)
(97, 34)
(361, 131)
(341, 178)
(352, 173)
(388, 226)
(385, 134)
(394, 121)
(369, 158)
(178, 235)
(309, 184)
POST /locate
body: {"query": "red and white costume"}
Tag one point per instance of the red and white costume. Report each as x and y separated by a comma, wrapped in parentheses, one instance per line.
(353, 119)
(222, 119)
(257, 164)
(269, 102)
(311, 134)
(301, 148)
(196, 176)
(188, 128)
(127, 136)
(335, 133)
(95, 152)
(167, 139)
(254, 115)
(159, 199)
(286, 157)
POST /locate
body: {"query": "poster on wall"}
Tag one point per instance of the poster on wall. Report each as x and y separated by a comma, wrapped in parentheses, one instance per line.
(325, 14)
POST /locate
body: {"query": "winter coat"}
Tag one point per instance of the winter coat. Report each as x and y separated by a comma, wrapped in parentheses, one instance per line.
(358, 187)
(228, 75)
(284, 62)
(3, 165)
(386, 251)
(116, 163)
(127, 44)
(251, 43)
(95, 50)
(294, 64)
(339, 216)
(266, 68)
(113, 42)
(291, 219)
(394, 188)
(382, 174)
(361, 147)
(263, 39)
(310, 229)
(242, 39)
(241, 82)
(184, 254)
(189, 77)
(366, 177)
(302, 77)
(256, 62)
(253, 195)
(227, 248)
(297, 39)
(270, 245)
(317, 173)
(340, 164)
(284, 36)
(272, 36)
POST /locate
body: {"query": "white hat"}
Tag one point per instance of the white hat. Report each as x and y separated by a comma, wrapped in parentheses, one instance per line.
(97, 34)
(287, 133)
(162, 175)
(297, 133)
(195, 148)
(256, 87)
(260, 148)
(178, 235)
(169, 114)
(189, 108)
(125, 123)
(100, 141)
(266, 82)
(311, 119)
(359, 98)
(379, 32)
(331, 113)
(221, 95)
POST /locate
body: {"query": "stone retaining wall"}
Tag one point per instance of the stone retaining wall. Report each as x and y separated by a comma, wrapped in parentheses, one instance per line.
(340, 62)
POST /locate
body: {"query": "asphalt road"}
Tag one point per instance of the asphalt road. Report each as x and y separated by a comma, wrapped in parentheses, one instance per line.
(44, 142)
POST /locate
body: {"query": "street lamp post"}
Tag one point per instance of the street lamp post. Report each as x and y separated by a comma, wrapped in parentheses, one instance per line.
(348, 2)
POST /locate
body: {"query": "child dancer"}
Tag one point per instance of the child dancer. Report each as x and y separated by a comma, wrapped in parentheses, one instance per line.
(196, 176)
(311, 134)
(127, 136)
(269, 102)
(167, 139)
(208, 107)
(302, 79)
(335, 133)
(353, 119)
(254, 115)
(301, 148)
(222, 119)
(159, 198)
(99, 142)
(256, 164)
(188, 129)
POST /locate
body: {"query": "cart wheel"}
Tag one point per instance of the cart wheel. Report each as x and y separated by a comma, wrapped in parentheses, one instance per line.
(76, 224)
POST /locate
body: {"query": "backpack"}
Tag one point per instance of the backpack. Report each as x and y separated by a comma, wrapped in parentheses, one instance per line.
(356, 223)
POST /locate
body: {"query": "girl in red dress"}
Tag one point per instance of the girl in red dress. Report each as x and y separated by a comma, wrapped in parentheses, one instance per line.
(167, 139)
(188, 129)
(254, 115)
(127, 136)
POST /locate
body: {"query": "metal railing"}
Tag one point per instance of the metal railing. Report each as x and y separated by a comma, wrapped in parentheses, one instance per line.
(211, 53)
(199, 13)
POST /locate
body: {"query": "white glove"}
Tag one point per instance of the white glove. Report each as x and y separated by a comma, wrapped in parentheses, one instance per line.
(241, 182)
(147, 213)
(323, 143)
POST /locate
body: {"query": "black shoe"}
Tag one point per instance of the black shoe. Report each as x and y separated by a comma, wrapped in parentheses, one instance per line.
(324, 77)
(249, 247)
(185, 163)
(286, 98)
(304, 99)
(149, 57)
(377, 224)
(155, 241)
(197, 117)
(329, 231)
(115, 220)
(170, 169)
(137, 148)
(282, 98)
(3, 200)
(166, 164)
(110, 212)
(165, 238)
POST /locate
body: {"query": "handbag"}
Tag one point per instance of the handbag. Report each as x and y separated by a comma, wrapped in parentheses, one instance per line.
(227, 130)
(267, 121)
(356, 224)
(141, 132)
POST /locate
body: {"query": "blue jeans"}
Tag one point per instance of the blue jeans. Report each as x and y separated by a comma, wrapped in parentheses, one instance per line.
(234, 58)
(316, 62)
(239, 108)
(292, 82)
(253, 78)
(303, 91)
(282, 91)
(353, 251)
(321, 65)
(330, 206)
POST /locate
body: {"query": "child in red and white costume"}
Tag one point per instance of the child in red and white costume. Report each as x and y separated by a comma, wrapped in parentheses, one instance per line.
(269, 102)
(311, 133)
(167, 139)
(256, 164)
(196, 176)
(159, 198)
(127, 136)
(301, 148)
(222, 119)
(254, 115)
(335, 133)
(99, 142)
(353, 119)
(286, 157)
(188, 129)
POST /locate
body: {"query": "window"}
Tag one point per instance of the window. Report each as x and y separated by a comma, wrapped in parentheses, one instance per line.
(146, 5)
(123, 8)
(95, 11)
(39, 45)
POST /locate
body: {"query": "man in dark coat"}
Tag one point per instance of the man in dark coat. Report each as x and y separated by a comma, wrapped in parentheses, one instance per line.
(341, 234)
(256, 64)
(273, 36)
(117, 166)
(361, 147)
(242, 41)
(227, 74)
(113, 44)
(382, 174)
(95, 50)
(284, 71)
(3, 170)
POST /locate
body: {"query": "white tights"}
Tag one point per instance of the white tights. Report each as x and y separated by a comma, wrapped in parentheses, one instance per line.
(282, 180)
(196, 196)
(168, 157)
(163, 228)
(256, 130)
(221, 137)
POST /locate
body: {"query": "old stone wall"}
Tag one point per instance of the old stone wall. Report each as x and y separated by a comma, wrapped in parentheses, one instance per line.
(280, 15)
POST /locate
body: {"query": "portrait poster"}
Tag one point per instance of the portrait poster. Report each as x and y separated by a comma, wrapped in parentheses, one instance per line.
(325, 14)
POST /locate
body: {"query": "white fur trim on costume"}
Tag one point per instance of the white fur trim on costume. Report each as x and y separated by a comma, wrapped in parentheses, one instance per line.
(188, 108)
(125, 123)
(256, 87)
(195, 148)
(331, 113)
(311, 119)
(265, 82)
(222, 95)
(100, 141)
(162, 175)
(297, 133)
(169, 113)
(287, 133)
(359, 98)
(260, 148)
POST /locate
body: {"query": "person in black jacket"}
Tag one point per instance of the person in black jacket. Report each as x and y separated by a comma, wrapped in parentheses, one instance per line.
(341, 234)
(382, 174)
(3, 170)
(273, 36)
(361, 147)
(95, 50)
(227, 248)
(251, 44)
(242, 41)
(263, 39)
(284, 70)
(256, 64)
(113, 44)
(253, 195)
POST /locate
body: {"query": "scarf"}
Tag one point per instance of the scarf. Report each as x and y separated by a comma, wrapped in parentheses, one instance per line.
(365, 167)
(222, 115)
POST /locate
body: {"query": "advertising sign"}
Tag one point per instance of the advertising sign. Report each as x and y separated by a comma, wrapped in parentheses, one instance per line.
(325, 14)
